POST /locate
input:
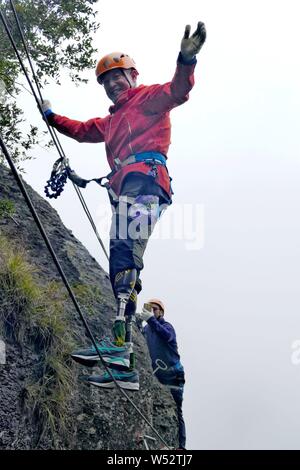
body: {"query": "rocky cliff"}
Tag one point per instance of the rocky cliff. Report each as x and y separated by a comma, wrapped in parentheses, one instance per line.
(45, 404)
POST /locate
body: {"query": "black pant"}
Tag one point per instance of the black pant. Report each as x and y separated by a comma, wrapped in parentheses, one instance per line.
(177, 394)
(174, 379)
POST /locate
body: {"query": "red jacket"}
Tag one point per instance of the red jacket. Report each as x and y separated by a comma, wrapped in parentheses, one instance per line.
(138, 122)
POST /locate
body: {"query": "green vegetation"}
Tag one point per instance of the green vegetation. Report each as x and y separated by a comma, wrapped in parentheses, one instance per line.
(35, 314)
(88, 296)
(59, 35)
(7, 208)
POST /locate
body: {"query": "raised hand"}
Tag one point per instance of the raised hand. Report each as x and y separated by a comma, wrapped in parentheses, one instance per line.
(144, 315)
(190, 46)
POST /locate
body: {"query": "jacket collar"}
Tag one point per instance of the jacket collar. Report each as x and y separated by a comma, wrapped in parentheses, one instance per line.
(161, 320)
(124, 97)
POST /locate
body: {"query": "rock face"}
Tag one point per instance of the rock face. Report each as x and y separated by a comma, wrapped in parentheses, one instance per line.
(93, 418)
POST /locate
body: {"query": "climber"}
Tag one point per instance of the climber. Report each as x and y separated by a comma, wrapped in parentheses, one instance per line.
(137, 137)
(161, 340)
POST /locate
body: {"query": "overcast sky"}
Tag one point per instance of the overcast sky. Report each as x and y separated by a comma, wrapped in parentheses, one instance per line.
(233, 298)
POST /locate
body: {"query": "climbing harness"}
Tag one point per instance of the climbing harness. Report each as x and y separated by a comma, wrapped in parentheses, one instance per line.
(150, 158)
(37, 220)
(61, 171)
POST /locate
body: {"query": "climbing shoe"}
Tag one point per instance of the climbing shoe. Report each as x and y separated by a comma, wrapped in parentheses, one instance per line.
(127, 380)
(114, 356)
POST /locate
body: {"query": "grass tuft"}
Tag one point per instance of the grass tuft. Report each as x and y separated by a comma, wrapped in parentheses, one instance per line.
(36, 315)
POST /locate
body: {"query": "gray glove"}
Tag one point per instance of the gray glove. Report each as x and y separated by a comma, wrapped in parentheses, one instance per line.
(46, 107)
(190, 46)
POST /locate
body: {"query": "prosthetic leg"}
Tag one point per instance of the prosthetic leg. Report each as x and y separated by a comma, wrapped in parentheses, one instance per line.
(122, 328)
(123, 286)
(129, 312)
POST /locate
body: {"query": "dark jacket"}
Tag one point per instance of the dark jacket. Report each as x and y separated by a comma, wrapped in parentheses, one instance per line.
(161, 339)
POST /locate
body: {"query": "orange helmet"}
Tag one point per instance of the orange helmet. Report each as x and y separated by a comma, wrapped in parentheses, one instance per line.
(157, 302)
(115, 60)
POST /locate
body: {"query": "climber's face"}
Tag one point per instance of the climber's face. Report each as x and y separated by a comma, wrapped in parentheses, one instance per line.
(115, 82)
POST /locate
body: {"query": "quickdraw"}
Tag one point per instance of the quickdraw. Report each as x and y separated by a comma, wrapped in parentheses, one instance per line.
(56, 183)
(61, 171)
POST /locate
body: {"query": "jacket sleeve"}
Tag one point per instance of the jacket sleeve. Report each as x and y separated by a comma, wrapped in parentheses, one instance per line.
(163, 98)
(92, 130)
(164, 330)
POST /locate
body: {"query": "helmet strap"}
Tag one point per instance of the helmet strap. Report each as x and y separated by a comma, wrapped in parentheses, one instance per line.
(127, 75)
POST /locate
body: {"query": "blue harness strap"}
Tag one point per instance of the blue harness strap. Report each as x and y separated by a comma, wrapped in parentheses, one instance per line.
(152, 156)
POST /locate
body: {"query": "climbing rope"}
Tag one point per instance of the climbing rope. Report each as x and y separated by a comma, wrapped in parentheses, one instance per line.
(38, 221)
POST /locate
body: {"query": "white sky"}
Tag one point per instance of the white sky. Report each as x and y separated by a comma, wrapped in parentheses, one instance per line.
(235, 152)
